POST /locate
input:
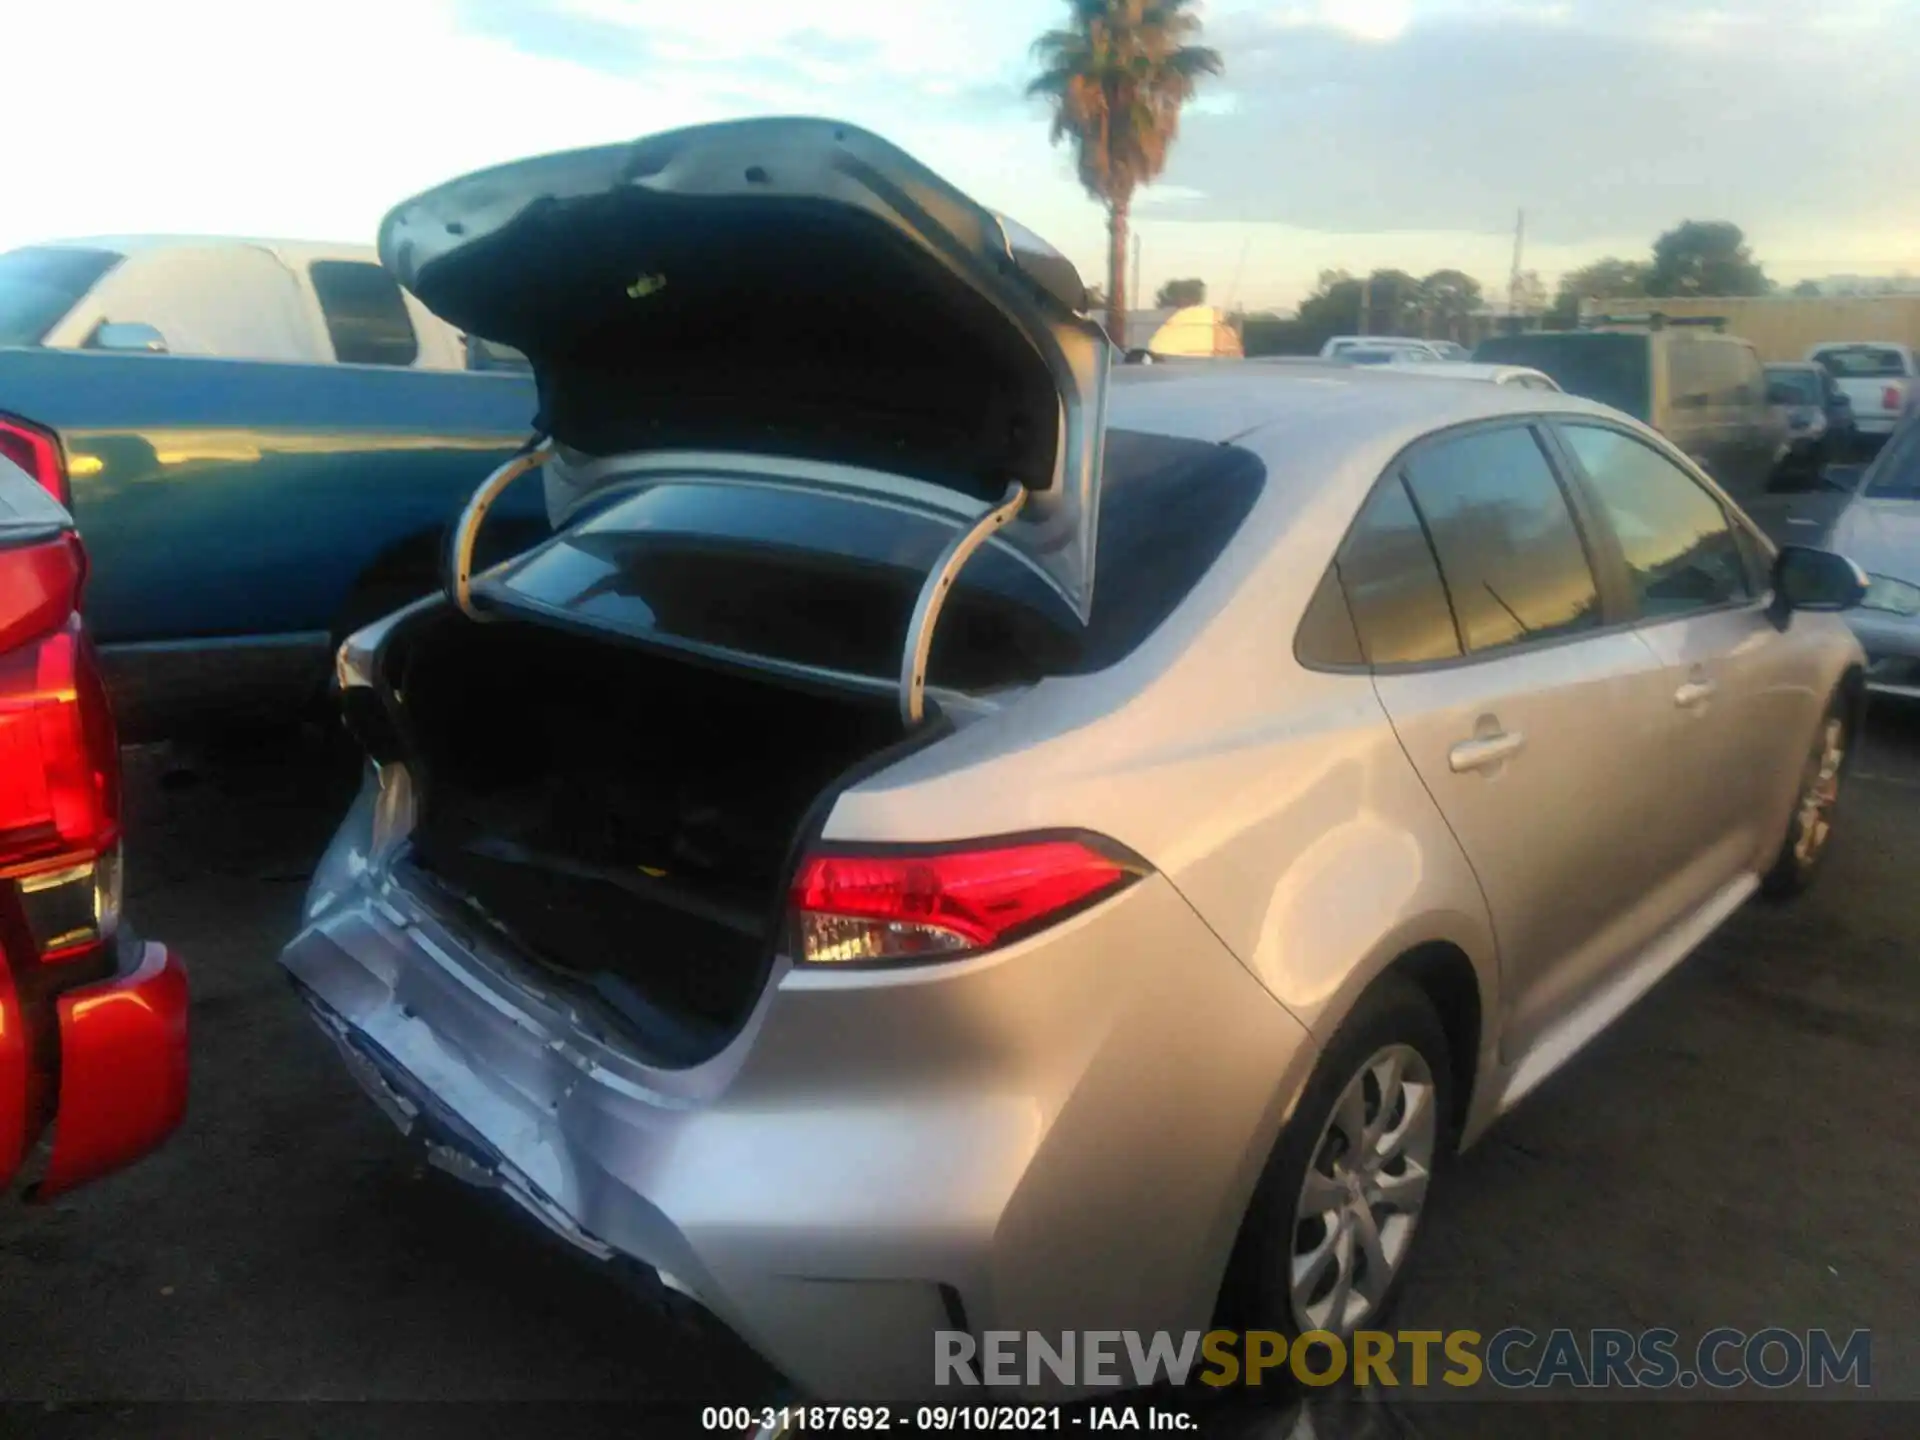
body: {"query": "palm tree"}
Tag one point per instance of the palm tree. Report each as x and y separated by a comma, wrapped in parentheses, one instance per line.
(1116, 76)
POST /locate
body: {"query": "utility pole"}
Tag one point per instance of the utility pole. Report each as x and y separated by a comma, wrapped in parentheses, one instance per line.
(1366, 303)
(1513, 280)
(1137, 300)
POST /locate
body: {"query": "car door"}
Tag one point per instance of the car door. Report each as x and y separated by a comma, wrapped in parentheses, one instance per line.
(1729, 725)
(1532, 717)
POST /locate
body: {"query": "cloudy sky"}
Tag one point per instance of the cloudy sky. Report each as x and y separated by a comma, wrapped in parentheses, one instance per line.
(1346, 132)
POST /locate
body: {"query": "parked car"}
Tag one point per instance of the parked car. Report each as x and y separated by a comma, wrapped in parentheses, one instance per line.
(1380, 355)
(1880, 527)
(1800, 396)
(242, 517)
(1339, 346)
(93, 1022)
(1879, 379)
(1705, 392)
(1060, 958)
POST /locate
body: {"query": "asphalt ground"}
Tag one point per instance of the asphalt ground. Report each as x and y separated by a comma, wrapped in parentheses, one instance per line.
(1742, 1149)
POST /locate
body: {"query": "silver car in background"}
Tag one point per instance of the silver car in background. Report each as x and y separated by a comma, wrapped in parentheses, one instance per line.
(1880, 528)
(797, 876)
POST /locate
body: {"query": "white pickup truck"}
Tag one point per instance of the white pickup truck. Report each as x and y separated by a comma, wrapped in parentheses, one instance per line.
(1879, 377)
(236, 299)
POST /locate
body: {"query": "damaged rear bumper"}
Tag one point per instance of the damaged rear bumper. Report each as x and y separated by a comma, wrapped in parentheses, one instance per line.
(875, 1157)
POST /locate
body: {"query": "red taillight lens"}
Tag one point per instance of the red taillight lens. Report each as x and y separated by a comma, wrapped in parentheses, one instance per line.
(855, 908)
(59, 756)
(36, 451)
(59, 769)
(1893, 398)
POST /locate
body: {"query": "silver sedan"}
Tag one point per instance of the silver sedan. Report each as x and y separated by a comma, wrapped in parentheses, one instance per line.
(798, 878)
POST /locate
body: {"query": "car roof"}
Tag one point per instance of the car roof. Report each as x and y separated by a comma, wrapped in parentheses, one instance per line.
(294, 252)
(1230, 401)
(1801, 365)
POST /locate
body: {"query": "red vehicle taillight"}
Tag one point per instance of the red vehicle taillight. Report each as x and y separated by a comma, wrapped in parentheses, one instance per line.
(36, 451)
(1893, 398)
(59, 758)
(856, 908)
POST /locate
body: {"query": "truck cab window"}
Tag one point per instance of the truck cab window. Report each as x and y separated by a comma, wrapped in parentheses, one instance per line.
(366, 314)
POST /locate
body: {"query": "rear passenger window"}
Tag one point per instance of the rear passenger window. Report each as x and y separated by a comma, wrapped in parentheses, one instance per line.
(1678, 544)
(366, 314)
(1511, 555)
(1393, 586)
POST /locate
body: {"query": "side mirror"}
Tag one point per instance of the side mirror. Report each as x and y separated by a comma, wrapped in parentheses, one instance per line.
(128, 336)
(1842, 477)
(1814, 580)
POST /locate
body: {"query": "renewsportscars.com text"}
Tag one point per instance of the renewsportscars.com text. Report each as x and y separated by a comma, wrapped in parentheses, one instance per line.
(1655, 1359)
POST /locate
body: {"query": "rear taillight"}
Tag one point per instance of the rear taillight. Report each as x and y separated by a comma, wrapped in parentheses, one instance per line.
(1894, 398)
(59, 758)
(856, 908)
(36, 451)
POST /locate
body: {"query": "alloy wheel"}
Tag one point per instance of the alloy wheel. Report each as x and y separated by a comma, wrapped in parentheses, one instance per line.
(1365, 1188)
(1814, 822)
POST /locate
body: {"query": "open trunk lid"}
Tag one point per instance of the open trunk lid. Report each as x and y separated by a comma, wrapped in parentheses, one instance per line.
(791, 288)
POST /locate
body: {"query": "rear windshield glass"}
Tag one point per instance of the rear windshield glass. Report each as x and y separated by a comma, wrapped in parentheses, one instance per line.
(1609, 368)
(825, 580)
(1862, 362)
(39, 285)
(1895, 473)
(1801, 387)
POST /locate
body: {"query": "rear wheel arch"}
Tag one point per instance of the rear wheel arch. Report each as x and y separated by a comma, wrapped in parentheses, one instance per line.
(1852, 690)
(1443, 973)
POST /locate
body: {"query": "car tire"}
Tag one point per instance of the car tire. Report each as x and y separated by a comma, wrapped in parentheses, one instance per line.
(1810, 826)
(1286, 1233)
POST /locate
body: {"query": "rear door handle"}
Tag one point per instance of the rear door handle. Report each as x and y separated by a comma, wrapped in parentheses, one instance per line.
(1694, 694)
(1485, 752)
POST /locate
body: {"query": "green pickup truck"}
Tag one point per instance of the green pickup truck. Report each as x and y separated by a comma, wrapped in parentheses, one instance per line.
(244, 514)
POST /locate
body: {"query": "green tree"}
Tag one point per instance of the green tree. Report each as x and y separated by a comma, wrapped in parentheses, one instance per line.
(1807, 289)
(1608, 279)
(1705, 257)
(1447, 299)
(1116, 76)
(1178, 294)
(1391, 300)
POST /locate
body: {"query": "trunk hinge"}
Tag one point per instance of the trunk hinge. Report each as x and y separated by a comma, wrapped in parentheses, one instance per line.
(537, 451)
(933, 595)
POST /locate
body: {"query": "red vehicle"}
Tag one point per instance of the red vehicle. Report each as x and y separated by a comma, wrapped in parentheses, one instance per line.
(93, 1023)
